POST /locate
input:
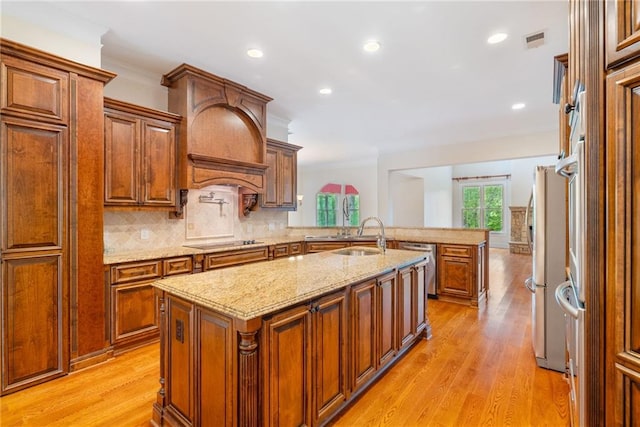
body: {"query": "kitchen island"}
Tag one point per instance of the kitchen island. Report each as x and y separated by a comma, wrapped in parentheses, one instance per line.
(289, 342)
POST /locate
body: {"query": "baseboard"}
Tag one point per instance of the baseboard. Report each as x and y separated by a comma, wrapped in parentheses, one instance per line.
(91, 359)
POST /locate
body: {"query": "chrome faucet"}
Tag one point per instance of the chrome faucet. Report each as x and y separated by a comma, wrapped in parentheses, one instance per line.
(382, 241)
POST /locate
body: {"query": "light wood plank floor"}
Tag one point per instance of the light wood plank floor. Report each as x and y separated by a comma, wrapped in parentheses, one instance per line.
(477, 370)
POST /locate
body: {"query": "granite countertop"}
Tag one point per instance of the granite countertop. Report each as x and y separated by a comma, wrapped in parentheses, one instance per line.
(173, 251)
(254, 290)
(422, 235)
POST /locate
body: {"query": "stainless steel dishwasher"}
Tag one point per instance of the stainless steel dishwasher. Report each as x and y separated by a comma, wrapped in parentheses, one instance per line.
(430, 274)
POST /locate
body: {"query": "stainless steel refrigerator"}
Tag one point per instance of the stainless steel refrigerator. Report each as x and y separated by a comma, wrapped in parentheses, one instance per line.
(546, 215)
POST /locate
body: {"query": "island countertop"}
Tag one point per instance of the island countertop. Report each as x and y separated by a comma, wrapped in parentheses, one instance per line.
(249, 291)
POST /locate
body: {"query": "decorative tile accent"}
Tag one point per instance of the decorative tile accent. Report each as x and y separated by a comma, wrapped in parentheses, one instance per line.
(123, 228)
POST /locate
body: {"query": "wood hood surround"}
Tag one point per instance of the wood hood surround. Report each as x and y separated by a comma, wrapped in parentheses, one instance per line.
(223, 132)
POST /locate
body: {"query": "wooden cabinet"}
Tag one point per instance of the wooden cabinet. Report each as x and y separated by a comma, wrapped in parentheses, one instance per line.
(52, 300)
(406, 309)
(235, 257)
(623, 248)
(286, 249)
(140, 156)
(363, 333)
(373, 328)
(297, 366)
(134, 304)
(281, 176)
(312, 247)
(462, 273)
(622, 34)
(329, 352)
(306, 362)
(288, 362)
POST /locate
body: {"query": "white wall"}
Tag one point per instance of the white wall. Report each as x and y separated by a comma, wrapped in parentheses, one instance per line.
(407, 200)
(362, 175)
(20, 22)
(514, 147)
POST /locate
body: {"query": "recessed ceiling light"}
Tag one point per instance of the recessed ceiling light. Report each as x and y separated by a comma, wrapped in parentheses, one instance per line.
(518, 106)
(371, 46)
(325, 91)
(255, 53)
(497, 38)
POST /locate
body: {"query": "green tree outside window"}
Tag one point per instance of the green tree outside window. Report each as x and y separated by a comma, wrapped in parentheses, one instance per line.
(483, 206)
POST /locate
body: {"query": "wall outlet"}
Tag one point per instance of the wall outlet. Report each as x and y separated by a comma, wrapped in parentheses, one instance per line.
(272, 226)
(144, 234)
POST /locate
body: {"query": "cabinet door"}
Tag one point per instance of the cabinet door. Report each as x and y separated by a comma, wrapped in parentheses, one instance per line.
(287, 398)
(34, 91)
(122, 161)
(420, 286)
(622, 31)
(215, 361)
(179, 370)
(270, 196)
(623, 249)
(287, 178)
(386, 319)
(158, 163)
(456, 276)
(134, 310)
(363, 333)
(406, 315)
(33, 181)
(329, 355)
(34, 321)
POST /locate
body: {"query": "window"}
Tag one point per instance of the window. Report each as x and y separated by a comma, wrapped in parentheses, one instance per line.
(326, 209)
(334, 201)
(483, 206)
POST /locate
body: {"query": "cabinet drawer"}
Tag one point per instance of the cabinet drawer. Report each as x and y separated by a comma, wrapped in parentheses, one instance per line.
(225, 259)
(295, 248)
(181, 265)
(325, 246)
(459, 251)
(135, 272)
(280, 251)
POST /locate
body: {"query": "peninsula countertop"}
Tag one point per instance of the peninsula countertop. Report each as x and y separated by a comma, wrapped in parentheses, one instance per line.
(249, 291)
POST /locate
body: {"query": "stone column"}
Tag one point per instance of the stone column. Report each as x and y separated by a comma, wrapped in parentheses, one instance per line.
(519, 229)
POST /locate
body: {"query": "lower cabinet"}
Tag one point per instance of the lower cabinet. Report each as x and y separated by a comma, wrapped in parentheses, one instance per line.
(462, 273)
(134, 305)
(373, 328)
(306, 362)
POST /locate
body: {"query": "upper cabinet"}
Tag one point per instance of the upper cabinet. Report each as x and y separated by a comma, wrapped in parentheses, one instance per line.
(224, 139)
(140, 156)
(281, 176)
(622, 31)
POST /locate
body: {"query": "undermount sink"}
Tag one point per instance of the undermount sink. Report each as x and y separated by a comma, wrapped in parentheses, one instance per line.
(357, 251)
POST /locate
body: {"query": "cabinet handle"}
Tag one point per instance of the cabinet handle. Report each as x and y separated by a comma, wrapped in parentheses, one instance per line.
(180, 331)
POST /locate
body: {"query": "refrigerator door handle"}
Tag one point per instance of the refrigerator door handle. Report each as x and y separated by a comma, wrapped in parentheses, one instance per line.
(567, 166)
(526, 224)
(529, 284)
(565, 305)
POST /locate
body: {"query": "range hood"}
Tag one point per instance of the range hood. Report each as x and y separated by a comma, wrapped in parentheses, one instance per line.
(222, 136)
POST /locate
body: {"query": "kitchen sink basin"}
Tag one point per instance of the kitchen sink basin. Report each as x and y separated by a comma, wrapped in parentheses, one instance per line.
(357, 251)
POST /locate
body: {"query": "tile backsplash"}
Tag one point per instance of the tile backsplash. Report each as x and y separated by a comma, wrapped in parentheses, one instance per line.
(139, 230)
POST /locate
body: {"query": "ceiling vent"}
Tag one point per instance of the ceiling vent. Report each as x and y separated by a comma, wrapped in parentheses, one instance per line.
(534, 40)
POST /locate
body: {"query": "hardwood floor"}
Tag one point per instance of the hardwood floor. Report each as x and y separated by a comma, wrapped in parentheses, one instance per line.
(477, 370)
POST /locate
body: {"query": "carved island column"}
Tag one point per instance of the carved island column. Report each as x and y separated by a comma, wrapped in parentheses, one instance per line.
(248, 372)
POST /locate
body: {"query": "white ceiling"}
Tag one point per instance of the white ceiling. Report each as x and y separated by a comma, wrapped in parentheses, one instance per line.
(434, 81)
